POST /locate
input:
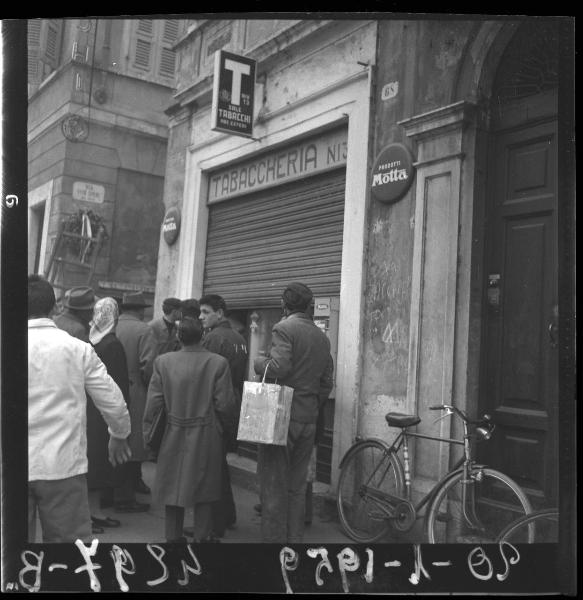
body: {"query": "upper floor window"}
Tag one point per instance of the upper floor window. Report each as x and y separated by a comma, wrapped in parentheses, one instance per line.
(151, 51)
(44, 48)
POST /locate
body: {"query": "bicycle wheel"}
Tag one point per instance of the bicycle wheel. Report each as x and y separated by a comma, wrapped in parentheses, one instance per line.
(476, 511)
(540, 526)
(369, 472)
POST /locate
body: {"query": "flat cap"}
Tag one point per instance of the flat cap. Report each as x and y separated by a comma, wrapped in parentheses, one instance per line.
(297, 295)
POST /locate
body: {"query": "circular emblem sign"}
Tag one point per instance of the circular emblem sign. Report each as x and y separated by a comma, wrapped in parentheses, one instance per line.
(171, 225)
(392, 173)
(75, 128)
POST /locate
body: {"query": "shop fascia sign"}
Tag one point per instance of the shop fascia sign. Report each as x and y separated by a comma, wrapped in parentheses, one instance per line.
(392, 173)
(233, 94)
(283, 164)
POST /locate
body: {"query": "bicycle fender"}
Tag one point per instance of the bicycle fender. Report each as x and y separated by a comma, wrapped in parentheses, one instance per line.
(362, 443)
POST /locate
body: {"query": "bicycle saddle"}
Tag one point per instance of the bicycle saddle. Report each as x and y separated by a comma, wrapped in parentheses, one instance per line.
(395, 419)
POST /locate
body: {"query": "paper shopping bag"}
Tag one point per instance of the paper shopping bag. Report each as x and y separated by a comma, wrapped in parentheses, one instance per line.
(265, 412)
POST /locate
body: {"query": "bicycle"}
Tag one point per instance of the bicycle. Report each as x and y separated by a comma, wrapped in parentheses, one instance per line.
(540, 526)
(470, 504)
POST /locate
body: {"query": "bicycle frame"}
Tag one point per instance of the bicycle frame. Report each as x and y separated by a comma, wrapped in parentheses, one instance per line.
(464, 464)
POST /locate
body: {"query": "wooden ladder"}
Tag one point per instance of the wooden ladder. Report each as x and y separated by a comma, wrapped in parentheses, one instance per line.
(87, 259)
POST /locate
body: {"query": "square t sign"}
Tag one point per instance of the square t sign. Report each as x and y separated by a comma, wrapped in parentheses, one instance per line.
(233, 94)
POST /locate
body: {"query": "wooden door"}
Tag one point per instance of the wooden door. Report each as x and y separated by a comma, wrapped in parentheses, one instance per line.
(520, 387)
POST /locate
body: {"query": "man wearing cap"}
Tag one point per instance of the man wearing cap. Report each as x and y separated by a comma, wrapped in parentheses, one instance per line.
(62, 370)
(77, 313)
(139, 345)
(299, 358)
(164, 328)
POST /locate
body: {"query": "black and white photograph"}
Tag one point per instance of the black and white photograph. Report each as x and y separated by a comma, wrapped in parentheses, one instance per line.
(299, 309)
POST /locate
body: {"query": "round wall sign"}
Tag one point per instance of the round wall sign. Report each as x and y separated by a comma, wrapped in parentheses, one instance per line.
(392, 173)
(75, 128)
(171, 225)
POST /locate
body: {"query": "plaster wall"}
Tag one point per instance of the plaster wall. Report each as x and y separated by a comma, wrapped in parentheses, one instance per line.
(422, 60)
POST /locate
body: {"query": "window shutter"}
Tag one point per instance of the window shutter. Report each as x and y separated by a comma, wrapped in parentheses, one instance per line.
(143, 45)
(34, 26)
(145, 26)
(170, 31)
(167, 59)
(142, 54)
(167, 63)
(51, 43)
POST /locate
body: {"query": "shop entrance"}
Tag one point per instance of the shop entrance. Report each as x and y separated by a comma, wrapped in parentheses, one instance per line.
(520, 359)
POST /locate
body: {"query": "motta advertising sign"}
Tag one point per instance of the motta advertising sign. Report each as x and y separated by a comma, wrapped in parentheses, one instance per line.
(233, 94)
(171, 225)
(392, 173)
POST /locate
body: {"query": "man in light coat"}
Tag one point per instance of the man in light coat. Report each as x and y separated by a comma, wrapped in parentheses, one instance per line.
(140, 348)
(61, 371)
(299, 358)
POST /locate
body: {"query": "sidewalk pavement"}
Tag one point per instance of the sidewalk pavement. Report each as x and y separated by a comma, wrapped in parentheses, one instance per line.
(148, 527)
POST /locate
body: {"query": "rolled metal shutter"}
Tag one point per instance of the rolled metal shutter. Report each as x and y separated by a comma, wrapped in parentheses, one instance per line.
(258, 243)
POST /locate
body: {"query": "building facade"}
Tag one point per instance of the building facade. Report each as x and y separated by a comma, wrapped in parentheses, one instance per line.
(97, 137)
(445, 295)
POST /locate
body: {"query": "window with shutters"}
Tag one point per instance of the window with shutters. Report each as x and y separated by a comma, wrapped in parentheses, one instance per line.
(34, 28)
(153, 55)
(44, 47)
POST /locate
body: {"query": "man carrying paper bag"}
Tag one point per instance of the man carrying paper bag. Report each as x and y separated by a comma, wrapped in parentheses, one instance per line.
(300, 359)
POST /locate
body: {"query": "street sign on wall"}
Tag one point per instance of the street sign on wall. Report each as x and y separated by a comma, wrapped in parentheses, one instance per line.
(233, 94)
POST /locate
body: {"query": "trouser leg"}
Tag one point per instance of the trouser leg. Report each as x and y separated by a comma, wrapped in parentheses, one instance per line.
(224, 511)
(273, 467)
(300, 445)
(174, 522)
(64, 509)
(124, 484)
(32, 509)
(203, 520)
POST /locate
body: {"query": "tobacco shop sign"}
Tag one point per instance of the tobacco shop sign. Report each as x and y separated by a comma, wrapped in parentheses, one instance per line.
(282, 165)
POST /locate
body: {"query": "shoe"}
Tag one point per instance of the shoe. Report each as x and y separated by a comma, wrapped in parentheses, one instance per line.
(107, 522)
(95, 529)
(142, 488)
(257, 508)
(132, 507)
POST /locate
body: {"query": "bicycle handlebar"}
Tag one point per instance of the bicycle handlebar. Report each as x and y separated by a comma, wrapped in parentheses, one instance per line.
(461, 414)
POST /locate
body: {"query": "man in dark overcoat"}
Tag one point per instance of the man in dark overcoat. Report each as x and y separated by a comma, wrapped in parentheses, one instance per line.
(299, 358)
(194, 386)
(77, 313)
(221, 338)
(164, 328)
(140, 348)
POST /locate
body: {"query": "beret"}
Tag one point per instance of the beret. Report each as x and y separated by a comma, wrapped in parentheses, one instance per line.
(297, 295)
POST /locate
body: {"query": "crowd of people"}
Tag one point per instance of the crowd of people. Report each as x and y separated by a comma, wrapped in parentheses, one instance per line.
(98, 375)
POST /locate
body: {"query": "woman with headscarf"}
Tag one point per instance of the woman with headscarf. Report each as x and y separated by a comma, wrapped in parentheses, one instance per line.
(101, 476)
